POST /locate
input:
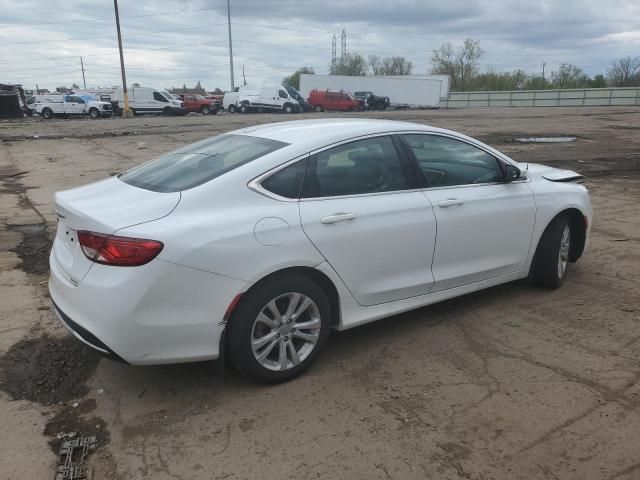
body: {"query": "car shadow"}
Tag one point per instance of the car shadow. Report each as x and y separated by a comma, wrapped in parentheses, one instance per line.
(206, 378)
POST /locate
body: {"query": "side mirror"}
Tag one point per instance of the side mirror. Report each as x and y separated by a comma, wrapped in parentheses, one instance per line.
(511, 173)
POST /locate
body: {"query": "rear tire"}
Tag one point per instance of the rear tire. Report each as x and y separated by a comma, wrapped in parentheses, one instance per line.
(552, 255)
(231, 109)
(244, 108)
(318, 108)
(47, 113)
(244, 328)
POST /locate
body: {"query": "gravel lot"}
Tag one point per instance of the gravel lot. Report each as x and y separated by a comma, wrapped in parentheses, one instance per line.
(509, 383)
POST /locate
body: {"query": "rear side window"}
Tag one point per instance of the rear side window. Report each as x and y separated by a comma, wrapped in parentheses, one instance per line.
(288, 181)
(198, 163)
(365, 166)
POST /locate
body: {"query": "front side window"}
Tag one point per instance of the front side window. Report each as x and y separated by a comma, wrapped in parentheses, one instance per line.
(282, 94)
(448, 162)
(198, 163)
(364, 166)
(157, 96)
(288, 181)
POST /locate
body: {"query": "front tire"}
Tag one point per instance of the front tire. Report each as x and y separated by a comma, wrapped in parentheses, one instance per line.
(206, 110)
(287, 108)
(94, 113)
(318, 108)
(552, 255)
(231, 109)
(279, 329)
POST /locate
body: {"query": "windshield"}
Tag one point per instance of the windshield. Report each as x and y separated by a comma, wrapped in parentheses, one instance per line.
(167, 95)
(293, 92)
(198, 163)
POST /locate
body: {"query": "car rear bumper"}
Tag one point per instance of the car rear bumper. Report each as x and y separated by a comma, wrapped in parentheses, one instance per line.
(154, 314)
(86, 337)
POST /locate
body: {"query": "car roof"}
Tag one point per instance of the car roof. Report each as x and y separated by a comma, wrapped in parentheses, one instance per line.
(327, 131)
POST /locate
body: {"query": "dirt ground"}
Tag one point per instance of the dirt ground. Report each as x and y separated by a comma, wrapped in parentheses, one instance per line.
(513, 382)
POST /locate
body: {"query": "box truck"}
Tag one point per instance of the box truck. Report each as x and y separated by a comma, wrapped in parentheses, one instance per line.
(403, 91)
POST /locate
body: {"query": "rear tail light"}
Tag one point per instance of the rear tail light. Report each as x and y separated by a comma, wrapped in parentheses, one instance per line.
(118, 251)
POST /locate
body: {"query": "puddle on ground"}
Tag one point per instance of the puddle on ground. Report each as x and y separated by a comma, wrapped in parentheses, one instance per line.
(73, 420)
(546, 139)
(47, 369)
(34, 248)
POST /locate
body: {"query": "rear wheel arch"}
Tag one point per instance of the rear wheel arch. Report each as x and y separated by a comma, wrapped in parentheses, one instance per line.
(322, 280)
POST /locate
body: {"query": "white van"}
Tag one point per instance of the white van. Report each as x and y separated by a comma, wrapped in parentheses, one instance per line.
(230, 102)
(148, 100)
(268, 98)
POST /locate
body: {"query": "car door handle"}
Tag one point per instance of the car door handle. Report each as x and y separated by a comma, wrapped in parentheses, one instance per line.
(450, 202)
(337, 217)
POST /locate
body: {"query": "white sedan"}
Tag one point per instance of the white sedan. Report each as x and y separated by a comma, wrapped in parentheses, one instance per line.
(259, 241)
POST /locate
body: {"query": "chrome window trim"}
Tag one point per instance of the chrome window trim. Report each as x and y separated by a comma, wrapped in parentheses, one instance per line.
(499, 158)
(256, 183)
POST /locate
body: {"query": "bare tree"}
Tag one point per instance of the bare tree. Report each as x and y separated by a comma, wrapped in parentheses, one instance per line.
(569, 76)
(352, 64)
(375, 64)
(461, 64)
(625, 72)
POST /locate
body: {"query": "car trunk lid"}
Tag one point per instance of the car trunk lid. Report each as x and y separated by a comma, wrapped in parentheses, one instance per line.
(102, 207)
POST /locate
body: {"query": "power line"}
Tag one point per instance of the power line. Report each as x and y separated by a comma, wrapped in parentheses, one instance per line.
(208, 25)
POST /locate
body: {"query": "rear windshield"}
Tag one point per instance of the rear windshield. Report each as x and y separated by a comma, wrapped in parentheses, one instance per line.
(198, 163)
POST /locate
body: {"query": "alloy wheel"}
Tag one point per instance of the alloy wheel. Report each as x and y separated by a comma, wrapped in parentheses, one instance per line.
(286, 331)
(563, 253)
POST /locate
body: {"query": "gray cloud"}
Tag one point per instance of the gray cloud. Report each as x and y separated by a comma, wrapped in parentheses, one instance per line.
(274, 37)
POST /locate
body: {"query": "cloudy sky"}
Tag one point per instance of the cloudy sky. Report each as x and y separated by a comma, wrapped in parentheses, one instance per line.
(169, 43)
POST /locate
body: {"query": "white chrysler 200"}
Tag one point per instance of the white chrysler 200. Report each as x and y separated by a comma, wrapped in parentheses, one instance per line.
(259, 241)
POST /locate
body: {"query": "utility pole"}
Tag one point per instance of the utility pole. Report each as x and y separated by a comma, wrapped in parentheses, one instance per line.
(83, 79)
(544, 64)
(37, 90)
(343, 52)
(126, 113)
(244, 79)
(230, 46)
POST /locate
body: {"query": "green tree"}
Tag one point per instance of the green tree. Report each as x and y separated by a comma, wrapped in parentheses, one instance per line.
(599, 81)
(352, 64)
(294, 78)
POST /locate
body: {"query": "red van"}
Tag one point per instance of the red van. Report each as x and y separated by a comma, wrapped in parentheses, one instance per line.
(326, 100)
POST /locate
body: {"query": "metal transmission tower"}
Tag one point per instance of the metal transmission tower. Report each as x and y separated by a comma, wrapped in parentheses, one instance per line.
(333, 51)
(343, 50)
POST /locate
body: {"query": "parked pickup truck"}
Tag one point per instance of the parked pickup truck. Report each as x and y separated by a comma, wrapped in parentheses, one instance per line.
(371, 101)
(69, 105)
(198, 103)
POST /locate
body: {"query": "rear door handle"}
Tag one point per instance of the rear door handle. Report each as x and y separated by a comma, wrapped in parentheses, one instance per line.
(337, 217)
(450, 202)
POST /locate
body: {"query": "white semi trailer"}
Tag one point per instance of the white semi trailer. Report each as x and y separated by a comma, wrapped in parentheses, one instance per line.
(403, 91)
